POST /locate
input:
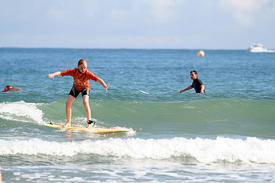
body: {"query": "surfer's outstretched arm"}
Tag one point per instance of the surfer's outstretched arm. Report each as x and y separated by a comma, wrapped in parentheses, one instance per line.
(51, 76)
(103, 83)
(188, 88)
(202, 89)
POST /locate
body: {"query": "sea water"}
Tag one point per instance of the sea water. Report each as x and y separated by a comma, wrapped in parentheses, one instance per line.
(224, 135)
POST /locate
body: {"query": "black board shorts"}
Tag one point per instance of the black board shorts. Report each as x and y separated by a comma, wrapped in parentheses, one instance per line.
(75, 93)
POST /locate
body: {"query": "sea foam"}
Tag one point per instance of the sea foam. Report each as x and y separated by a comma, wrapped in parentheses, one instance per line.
(21, 111)
(249, 150)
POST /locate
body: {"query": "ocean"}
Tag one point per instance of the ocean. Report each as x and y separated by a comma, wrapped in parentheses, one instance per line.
(224, 135)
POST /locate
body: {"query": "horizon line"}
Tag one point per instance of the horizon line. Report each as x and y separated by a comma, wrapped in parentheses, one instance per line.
(101, 48)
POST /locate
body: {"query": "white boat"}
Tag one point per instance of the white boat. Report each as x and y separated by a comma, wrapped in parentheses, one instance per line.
(258, 48)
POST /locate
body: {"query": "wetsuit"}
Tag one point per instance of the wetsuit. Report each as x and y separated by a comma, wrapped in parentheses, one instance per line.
(197, 85)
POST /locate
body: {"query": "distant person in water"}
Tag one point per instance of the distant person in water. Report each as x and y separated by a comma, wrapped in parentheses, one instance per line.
(8, 87)
(197, 83)
(81, 85)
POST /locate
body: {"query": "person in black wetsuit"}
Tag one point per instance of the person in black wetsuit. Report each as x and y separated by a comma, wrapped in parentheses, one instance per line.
(197, 83)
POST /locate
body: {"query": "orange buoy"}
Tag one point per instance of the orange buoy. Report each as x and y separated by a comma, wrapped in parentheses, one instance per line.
(200, 53)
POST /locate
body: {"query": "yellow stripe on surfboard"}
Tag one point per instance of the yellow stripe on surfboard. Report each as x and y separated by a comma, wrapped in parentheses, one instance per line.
(92, 129)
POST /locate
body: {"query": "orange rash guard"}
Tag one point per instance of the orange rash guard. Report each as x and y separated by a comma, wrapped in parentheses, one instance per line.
(81, 81)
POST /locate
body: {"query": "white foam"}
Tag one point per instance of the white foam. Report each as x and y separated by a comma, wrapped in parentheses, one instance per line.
(144, 92)
(131, 131)
(204, 150)
(21, 111)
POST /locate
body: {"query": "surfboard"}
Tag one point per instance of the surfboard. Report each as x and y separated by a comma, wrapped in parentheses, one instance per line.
(92, 129)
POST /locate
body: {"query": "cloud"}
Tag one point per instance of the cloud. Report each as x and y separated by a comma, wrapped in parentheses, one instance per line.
(162, 10)
(153, 11)
(245, 11)
(137, 23)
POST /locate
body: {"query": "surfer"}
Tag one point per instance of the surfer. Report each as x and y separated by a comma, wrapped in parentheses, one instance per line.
(197, 83)
(81, 85)
(10, 88)
(7, 88)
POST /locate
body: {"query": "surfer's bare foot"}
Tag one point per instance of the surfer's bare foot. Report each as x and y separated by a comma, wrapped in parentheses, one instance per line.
(91, 123)
(67, 125)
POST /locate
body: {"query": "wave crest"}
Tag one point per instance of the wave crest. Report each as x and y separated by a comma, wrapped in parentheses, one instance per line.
(250, 150)
(21, 111)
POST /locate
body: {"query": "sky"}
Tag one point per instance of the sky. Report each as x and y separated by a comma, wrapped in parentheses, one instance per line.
(172, 24)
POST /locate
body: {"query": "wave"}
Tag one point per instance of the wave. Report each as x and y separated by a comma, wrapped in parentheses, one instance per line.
(249, 150)
(209, 116)
(21, 111)
(204, 117)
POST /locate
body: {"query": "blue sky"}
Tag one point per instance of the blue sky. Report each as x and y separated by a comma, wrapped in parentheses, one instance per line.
(199, 24)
